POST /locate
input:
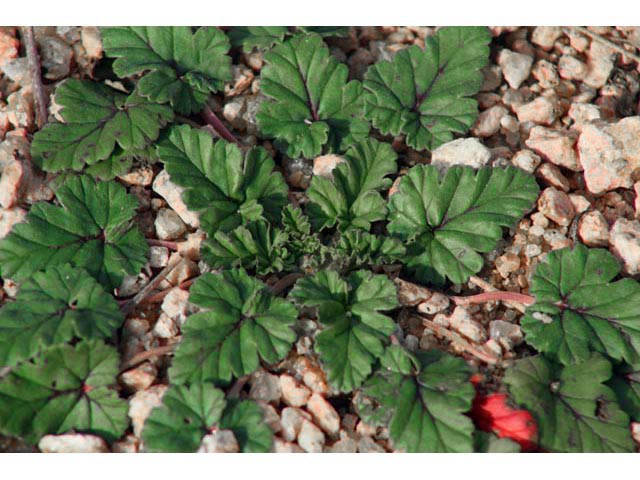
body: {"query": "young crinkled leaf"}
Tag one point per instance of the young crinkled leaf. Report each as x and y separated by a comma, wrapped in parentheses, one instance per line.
(422, 400)
(246, 420)
(425, 94)
(574, 410)
(354, 332)
(351, 198)
(241, 324)
(65, 389)
(227, 188)
(579, 309)
(179, 67)
(92, 229)
(449, 221)
(365, 249)
(98, 121)
(54, 307)
(187, 414)
(258, 246)
(312, 104)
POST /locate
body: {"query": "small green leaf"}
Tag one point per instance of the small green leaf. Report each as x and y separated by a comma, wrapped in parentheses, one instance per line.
(257, 37)
(54, 307)
(246, 420)
(257, 246)
(241, 324)
(423, 407)
(226, 188)
(579, 309)
(351, 198)
(626, 384)
(365, 249)
(449, 221)
(425, 94)
(353, 331)
(65, 389)
(120, 162)
(179, 67)
(92, 229)
(187, 414)
(312, 104)
(97, 120)
(575, 411)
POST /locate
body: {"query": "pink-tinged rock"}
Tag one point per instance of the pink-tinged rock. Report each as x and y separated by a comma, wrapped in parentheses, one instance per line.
(600, 65)
(220, 441)
(280, 446)
(176, 305)
(324, 165)
(92, 42)
(580, 203)
(583, 113)
(172, 193)
(72, 443)
(552, 176)
(610, 153)
(293, 393)
(311, 438)
(555, 146)
(545, 37)
(556, 206)
(570, 68)
(507, 264)
(139, 378)
(636, 203)
(624, 239)
(545, 72)
(9, 218)
(526, 160)
(291, 421)
(464, 151)
(541, 111)
(461, 321)
(488, 122)
(515, 67)
(9, 47)
(324, 415)
(141, 404)
(411, 294)
(593, 229)
(190, 248)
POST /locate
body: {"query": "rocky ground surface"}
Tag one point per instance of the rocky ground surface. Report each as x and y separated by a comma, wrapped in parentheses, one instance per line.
(561, 103)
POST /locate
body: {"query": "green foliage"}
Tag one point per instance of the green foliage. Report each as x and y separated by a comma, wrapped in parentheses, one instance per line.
(422, 400)
(312, 103)
(65, 389)
(448, 221)
(262, 38)
(425, 94)
(626, 384)
(246, 420)
(227, 188)
(101, 125)
(490, 443)
(575, 411)
(351, 198)
(178, 66)
(241, 324)
(354, 332)
(54, 307)
(364, 249)
(93, 229)
(578, 309)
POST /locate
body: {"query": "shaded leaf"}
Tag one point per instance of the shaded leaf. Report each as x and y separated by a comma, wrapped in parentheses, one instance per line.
(246, 419)
(489, 443)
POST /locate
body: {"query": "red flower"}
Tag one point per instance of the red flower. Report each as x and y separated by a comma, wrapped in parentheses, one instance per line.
(491, 413)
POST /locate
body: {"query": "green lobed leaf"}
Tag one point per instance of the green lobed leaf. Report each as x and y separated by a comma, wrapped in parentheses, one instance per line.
(246, 419)
(227, 188)
(486, 442)
(351, 198)
(65, 389)
(92, 229)
(178, 66)
(187, 414)
(365, 249)
(241, 324)
(354, 331)
(257, 246)
(574, 410)
(425, 94)
(579, 309)
(422, 400)
(448, 221)
(312, 104)
(257, 37)
(54, 307)
(98, 120)
(626, 384)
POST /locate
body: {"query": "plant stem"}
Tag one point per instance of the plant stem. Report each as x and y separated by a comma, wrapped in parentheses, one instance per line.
(237, 387)
(146, 355)
(285, 282)
(39, 97)
(212, 119)
(163, 243)
(158, 297)
(495, 297)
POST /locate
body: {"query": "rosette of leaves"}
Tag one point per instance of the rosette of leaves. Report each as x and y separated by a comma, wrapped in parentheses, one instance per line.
(422, 400)
(93, 229)
(55, 306)
(265, 37)
(426, 94)
(579, 310)
(364, 249)
(188, 414)
(178, 66)
(574, 409)
(354, 332)
(448, 221)
(227, 188)
(101, 127)
(351, 198)
(241, 324)
(311, 104)
(67, 388)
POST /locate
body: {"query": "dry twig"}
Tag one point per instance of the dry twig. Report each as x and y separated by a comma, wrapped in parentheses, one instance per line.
(146, 355)
(39, 97)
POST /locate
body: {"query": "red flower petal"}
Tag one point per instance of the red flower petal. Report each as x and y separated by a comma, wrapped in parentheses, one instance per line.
(491, 413)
